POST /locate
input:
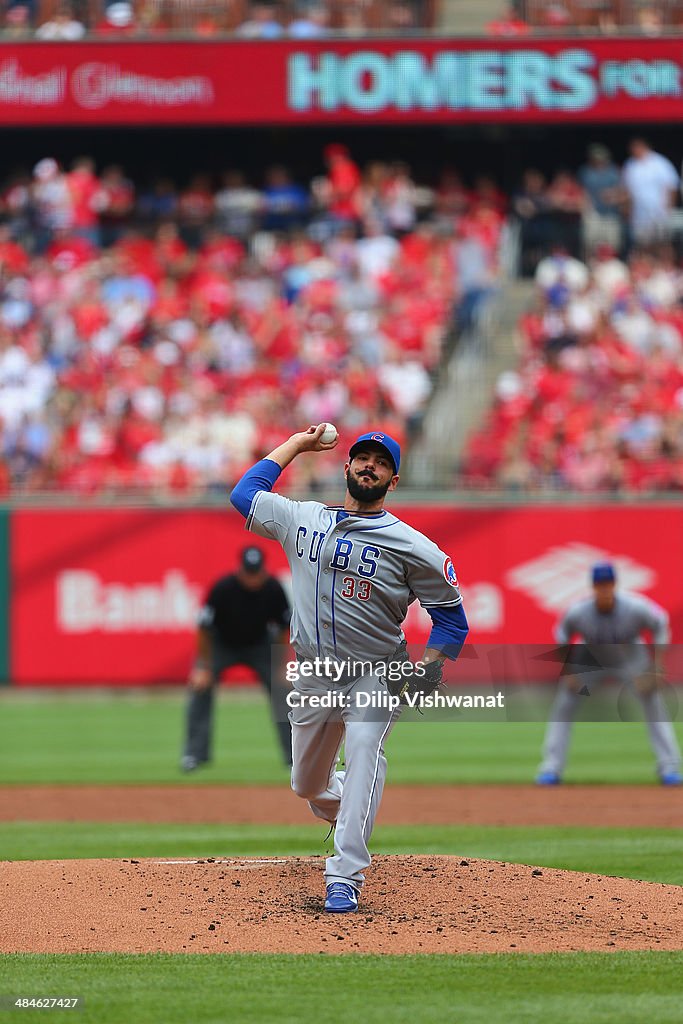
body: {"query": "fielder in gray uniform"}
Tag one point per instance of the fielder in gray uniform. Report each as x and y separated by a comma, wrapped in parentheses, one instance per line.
(613, 625)
(355, 569)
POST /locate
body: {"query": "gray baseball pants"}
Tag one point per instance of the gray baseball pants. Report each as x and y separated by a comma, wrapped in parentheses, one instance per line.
(350, 797)
(566, 707)
(200, 703)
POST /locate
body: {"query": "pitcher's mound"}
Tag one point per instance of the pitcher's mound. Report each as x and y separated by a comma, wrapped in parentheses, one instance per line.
(408, 905)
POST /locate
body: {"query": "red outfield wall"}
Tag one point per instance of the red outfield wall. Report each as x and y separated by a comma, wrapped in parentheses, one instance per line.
(112, 595)
(410, 81)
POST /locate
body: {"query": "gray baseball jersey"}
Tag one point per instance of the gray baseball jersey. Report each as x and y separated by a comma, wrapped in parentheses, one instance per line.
(615, 640)
(353, 576)
(631, 615)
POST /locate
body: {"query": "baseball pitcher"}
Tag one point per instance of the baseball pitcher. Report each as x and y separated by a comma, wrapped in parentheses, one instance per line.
(355, 569)
(612, 624)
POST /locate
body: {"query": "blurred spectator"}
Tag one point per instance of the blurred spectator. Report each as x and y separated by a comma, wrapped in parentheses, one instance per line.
(285, 203)
(63, 25)
(119, 19)
(556, 16)
(17, 22)
(86, 199)
(159, 202)
(607, 23)
(516, 472)
(353, 21)
(651, 182)
(262, 23)
(532, 208)
(51, 201)
(341, 248)
(400, 199)
(206, 26)
(13, 258)
(508, 24)
(452, 198)
(650, 21)
(170, 251)
(487, 193)
(376, 251)
(561, 271)
(567, 202)
(154, 17)
(310, 23)
(400, 17)
(16, 205)
(237, 205)
(610, 274)
(475, 277)
(601, 180)
(116, 202)
(341, 187)
(406, 386)
(372, 191)
(195, 209)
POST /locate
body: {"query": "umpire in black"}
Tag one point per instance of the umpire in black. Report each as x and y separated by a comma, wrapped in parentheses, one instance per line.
(243, 615)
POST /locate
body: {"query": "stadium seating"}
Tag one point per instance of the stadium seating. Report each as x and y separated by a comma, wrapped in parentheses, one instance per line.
(144, 348)
(596, 402)
(602, 16)
(70, 20)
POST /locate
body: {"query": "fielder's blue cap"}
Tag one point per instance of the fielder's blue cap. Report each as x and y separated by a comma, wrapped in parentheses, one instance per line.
(382, 440)
(603, 572)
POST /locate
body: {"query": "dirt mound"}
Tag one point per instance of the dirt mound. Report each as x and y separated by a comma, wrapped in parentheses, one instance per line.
(409, 905)
(607, 806)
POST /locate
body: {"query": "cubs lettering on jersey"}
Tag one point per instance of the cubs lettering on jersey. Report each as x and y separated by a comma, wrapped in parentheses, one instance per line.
(353, 576)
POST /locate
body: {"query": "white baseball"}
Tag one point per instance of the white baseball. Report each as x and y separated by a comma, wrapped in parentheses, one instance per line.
(329, 434)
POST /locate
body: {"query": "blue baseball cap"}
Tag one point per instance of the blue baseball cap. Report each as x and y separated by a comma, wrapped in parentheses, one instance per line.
(603, 572)
(391, 447)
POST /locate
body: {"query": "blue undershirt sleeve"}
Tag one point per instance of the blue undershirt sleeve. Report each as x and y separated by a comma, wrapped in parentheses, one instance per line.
(260, 477)
(449, 629)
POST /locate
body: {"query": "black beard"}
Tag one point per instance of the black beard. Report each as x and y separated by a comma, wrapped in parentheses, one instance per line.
(368, 495)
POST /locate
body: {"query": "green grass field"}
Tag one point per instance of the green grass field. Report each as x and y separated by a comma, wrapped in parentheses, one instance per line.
(651, 854)
(599, 988)
(135, 737)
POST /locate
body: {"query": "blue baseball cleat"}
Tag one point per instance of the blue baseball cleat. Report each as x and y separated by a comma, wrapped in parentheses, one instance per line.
(548, 779)
(342, 898)
(671, 779)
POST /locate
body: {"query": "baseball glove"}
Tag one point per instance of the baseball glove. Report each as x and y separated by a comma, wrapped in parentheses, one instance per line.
(417, 685)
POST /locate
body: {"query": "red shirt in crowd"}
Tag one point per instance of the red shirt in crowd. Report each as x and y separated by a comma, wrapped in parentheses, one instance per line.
(508, 27)
(70, 252)
(344, 179)
(13, 257)
(84, 190)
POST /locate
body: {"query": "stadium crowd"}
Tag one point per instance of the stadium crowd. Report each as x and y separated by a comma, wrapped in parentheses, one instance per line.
(602, 17)
(163, 340)
(603, 202)
(71, 20)
(596, 404)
